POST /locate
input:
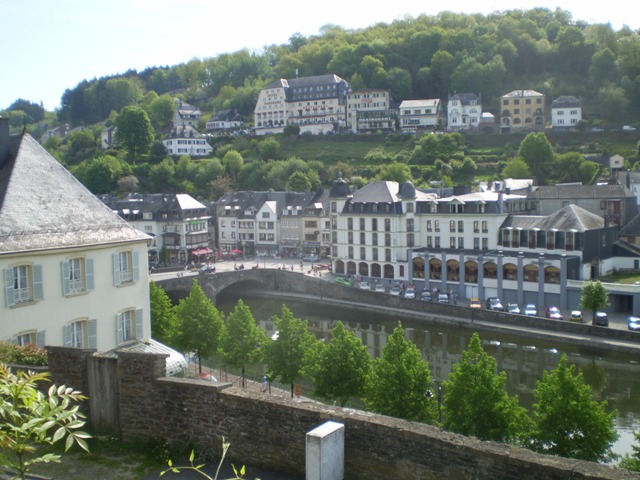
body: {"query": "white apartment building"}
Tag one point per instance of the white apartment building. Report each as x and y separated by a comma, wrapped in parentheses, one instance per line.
(421, 115)
(464, 112)
(566, 112)
(186, 140)
(316, 104)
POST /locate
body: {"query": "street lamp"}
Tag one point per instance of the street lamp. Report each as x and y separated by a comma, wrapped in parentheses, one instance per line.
(438, 396)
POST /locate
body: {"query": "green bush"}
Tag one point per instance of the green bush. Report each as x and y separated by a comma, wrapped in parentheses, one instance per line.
(23, 355)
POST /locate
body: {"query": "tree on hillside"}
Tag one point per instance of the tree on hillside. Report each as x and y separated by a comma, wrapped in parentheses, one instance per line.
(199, 325)
(395, 172)
(134, 131)
(537, 152)
(298, 182)
(161, 112)
(163, 315)
(101, 174)
(343, 366)
(269, 149)
(594, 296)
(285, 355)
(233, 163)
(516, 167)
(399, 381)
(241, 340)
(568, 421)
(476, 402)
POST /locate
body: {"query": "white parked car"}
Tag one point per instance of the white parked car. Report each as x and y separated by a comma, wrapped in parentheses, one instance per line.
(395, 291)
(365, 286)
(410, 293)
(531, 310)
(380, 288)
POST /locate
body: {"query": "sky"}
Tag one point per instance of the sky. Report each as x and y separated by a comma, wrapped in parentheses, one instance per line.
(50, 46)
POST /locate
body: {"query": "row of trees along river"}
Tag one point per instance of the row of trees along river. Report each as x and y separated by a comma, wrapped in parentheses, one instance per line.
(612, 377)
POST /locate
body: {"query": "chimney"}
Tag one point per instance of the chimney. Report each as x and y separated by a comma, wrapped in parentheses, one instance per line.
(4, 140)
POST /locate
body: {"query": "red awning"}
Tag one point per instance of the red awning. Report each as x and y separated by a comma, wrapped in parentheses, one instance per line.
(201, 251)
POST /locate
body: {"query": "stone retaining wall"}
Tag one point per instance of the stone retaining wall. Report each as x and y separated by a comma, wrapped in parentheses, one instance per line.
(268, 431)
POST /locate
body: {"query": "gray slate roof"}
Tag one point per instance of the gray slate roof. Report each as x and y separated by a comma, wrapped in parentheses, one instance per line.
(43, 206)
(571, 217)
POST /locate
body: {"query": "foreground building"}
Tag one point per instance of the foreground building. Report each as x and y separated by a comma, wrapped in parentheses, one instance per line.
(74, 273)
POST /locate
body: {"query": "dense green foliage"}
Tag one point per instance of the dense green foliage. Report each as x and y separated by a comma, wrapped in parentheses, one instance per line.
(342, 368)
(569, 422)
(476, 402)
(242, 339)
(199, 325)
(287, 355)
(163, 315)
(423, 57)
(594, 296)
(399, 381)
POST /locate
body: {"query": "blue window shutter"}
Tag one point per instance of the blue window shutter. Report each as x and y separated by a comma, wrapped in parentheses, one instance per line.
(65, 277)
(92, 333)
(119, 329)
(40, 338)
(66, 333)
(116, 269)
(8, 287)
(88, 268)
(138, 323)
(37, 282)
(136, 266)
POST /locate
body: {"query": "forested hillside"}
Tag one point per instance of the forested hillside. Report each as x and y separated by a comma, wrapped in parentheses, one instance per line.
(425, 57)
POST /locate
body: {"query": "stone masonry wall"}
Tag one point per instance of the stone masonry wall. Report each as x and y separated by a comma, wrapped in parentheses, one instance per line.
(269, 432)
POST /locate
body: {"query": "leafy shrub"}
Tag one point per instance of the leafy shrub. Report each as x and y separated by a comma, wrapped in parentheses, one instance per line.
(23, 355)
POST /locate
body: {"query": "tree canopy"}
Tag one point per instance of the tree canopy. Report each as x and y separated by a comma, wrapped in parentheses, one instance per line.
(568, 421)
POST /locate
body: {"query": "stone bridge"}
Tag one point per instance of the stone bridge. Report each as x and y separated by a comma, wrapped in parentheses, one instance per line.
(213, 284)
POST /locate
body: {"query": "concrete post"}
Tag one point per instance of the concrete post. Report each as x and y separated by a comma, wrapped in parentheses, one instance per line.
(325, 452)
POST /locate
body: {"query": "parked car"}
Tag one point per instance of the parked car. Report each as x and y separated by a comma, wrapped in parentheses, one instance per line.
(554, 313)
(634, 324)
(443, 298)
(628, 128)
(205, 269)
(410, 293)
(344, 281)
(474, 303)
(494, 303)
(576, 316)
(601, 319)
(365, 286)
(380, 288)
(395, 290)
(531, 310)
(426, 296)
(513, 308)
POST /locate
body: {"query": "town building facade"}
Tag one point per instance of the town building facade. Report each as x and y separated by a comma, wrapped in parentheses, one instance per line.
(74, 273)
(522, 110)
(464, 112)
(421, 115)
(566, 112)
(316, 104)
(370, 111)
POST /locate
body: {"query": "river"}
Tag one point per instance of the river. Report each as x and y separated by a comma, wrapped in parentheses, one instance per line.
(614, 377)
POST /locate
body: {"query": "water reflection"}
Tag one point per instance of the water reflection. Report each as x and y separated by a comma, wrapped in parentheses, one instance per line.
(614, 377)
